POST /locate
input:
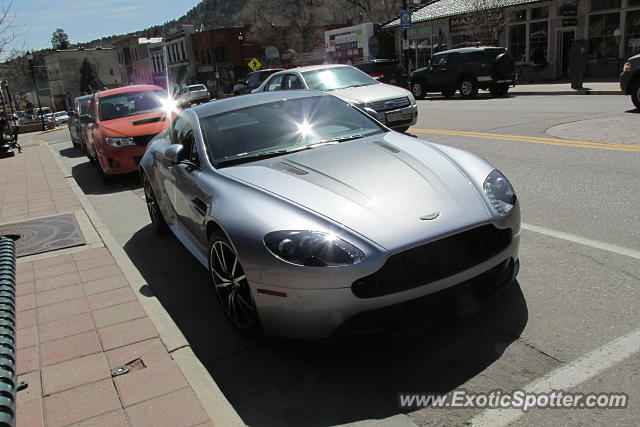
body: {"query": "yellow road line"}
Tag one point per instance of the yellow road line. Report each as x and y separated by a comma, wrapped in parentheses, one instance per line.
(42, 142)
(534, 139)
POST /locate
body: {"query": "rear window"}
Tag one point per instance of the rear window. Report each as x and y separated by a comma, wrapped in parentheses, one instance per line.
(130, 104)
(491, 54)
(195, 88)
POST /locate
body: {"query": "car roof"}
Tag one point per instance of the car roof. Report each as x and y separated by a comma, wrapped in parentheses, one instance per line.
(267, 69)
(376, 61)
(125, 89)
(83, 98)
(238, 102)
(197, 84)
(317, 67)
(469, 49)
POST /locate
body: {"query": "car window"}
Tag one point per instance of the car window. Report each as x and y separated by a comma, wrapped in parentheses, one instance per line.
(196, 88)
(182, 132)
(473, 57)
(130, 103)
(275, 83)
(282, 125)
(253, 79)
(292, 81)
(439, 60)
(83, 107)
(336, 78)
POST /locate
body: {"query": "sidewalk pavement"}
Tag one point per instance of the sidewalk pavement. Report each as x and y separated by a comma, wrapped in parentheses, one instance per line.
(593, 88)
(79, 315)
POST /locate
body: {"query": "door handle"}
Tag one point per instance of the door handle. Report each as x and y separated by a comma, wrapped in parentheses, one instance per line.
(200, 206)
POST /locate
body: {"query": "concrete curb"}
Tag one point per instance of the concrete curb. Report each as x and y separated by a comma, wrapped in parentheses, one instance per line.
(209, 394)
(567, 92)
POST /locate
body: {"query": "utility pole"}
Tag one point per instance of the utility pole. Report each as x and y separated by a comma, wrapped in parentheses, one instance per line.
(35, 88)
(405, 43)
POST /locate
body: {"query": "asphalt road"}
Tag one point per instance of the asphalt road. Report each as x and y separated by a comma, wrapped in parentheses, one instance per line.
(576, 291)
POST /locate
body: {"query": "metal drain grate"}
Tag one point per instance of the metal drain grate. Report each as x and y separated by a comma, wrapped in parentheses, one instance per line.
(44, 234)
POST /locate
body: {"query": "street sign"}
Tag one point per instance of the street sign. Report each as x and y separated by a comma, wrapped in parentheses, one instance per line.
(254, 64)
(405, 19)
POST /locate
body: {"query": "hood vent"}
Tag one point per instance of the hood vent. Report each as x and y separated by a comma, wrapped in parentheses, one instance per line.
(387, 146)
(287, 168)
(150, 120)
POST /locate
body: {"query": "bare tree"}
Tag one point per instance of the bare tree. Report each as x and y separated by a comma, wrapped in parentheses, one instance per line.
(8, 28)
(373, 10)
(482, 23)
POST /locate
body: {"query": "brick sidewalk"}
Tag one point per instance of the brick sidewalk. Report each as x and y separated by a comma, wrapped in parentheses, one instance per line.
(78, 318)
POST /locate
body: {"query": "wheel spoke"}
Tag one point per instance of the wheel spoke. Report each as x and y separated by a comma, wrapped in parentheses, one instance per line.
(239, 279)
(218, 249)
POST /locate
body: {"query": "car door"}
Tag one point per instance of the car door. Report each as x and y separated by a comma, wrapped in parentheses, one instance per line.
(439, 69)
(90, 128)
(190, 201)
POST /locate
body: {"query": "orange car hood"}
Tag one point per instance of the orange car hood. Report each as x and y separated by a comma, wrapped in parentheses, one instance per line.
(140, 124)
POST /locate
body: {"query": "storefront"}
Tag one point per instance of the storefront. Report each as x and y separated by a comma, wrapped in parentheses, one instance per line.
(349, 45)
(539, 34)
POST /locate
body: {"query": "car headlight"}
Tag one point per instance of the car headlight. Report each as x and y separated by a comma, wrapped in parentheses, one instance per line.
(119, 142)
(312, 248)
(412, 99)
(500, 192)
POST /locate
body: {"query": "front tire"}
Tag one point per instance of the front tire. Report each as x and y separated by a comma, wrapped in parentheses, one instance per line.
(418, 89)
(499, 91)
(635, 94)
(157, 220)
(231, 285)
(468, 88)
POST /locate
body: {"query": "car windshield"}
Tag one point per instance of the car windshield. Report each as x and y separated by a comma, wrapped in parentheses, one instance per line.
(131, 103)
(196, 88)
(336, 78)
(283, 126)
(61, 113)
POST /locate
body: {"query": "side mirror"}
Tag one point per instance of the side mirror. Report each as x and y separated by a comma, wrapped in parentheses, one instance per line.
(173, 153)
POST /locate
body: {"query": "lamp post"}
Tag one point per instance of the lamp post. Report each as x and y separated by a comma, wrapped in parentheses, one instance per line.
(5, 83)
(35, 87)
(241, 39)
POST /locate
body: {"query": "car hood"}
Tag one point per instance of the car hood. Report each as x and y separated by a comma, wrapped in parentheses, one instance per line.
(370, 93)
(140, 124)
(387, 188)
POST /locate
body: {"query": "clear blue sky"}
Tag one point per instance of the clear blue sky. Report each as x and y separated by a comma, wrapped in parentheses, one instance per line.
(85, 20)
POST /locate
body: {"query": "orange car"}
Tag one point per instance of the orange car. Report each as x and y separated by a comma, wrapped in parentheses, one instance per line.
(120, 124)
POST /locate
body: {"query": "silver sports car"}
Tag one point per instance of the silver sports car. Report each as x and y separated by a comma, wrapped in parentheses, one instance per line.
(309, 214)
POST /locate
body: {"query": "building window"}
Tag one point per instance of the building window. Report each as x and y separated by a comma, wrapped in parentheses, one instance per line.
(519, 15)
(222, 54)
(540, 12)
(602, 43)
(184, 56)
(111, 71)
(538, 36)
(605, 4)
(634, 3)
(632, 38)
(518, 42)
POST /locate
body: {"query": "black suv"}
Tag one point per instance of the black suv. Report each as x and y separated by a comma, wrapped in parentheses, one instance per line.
(630, 79)
(385, 71)
(467, 70)
(253, 80)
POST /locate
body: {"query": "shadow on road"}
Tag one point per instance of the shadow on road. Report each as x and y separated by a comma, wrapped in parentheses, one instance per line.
(90, 181)
(280, 382)
(634, 111)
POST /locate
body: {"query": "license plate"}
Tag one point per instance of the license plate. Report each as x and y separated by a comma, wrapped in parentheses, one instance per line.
(396, 116)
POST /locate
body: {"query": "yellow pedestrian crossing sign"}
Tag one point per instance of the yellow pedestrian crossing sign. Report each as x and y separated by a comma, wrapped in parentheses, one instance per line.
(254, 64)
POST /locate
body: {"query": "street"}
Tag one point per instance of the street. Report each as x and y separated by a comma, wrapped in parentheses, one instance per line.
(577, 289)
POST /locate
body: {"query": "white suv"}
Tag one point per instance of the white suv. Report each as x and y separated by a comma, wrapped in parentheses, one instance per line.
(192, 94)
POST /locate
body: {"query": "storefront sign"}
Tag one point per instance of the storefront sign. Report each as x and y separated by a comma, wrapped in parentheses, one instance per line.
(405, 19)
(346, 41)
(570, 22)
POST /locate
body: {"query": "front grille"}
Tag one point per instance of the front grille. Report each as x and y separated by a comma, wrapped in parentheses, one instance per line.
(433, 261)
(143, 139)
(390, 104)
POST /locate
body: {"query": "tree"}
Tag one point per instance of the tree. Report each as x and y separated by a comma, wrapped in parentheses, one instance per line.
(59, 39)
(89, 80)
(8, 28)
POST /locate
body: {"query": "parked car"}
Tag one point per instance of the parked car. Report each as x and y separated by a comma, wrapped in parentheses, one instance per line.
(80, 111)
(120, 124)
(467, 70)
(630, 80)
(265, 191)
(49, 118)
(61, 117)
(385, 71)
(391, 105)
(192, 94)
(253, 80)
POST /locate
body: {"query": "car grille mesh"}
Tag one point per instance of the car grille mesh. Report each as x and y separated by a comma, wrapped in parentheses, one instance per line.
(143, 139)
(390, 104)
(433, 261)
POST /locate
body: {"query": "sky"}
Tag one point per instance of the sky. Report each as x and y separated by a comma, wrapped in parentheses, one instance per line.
(85, 20)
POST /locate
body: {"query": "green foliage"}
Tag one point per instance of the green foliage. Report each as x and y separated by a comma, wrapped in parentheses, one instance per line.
(59, 39)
